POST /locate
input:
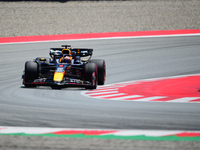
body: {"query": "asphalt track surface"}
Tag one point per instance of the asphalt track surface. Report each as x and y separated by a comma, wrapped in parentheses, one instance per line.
(127, 59)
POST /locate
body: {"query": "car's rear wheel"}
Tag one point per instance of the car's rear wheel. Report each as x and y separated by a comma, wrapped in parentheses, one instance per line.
(31, 73)
(91, 75)
(101, 65)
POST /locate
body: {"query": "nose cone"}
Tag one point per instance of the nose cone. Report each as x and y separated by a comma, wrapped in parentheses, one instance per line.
(58, 76)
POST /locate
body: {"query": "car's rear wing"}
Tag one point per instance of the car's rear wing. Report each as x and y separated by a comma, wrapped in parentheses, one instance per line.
(82, 52)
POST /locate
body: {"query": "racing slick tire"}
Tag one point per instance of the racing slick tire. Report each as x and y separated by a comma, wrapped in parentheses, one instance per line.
(101, 65)
(31, 72)
(91, 75)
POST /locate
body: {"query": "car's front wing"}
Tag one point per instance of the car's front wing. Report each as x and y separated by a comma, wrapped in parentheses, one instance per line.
(65, 82)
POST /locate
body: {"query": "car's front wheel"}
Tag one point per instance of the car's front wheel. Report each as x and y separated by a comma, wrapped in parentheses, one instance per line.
(31, 72)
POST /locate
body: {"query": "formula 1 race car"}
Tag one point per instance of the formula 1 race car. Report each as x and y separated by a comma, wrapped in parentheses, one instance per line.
(65, 68)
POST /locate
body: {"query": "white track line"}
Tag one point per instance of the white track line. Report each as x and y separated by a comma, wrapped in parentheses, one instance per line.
(123, 37)
(149, 98)
(98, 93)
(107, 96)
(117, 132)
(184, 99)
(126, 97)
(103, 90)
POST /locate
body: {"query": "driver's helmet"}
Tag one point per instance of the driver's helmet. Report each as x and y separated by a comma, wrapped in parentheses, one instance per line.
(66, 59)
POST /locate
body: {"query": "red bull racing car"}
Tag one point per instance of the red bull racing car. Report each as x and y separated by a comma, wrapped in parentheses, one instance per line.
(65, 67)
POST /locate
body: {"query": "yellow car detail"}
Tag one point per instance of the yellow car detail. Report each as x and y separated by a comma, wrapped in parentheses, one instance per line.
(58, 76)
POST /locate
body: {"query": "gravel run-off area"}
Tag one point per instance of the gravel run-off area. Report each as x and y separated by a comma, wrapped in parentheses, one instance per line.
(50, 18)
